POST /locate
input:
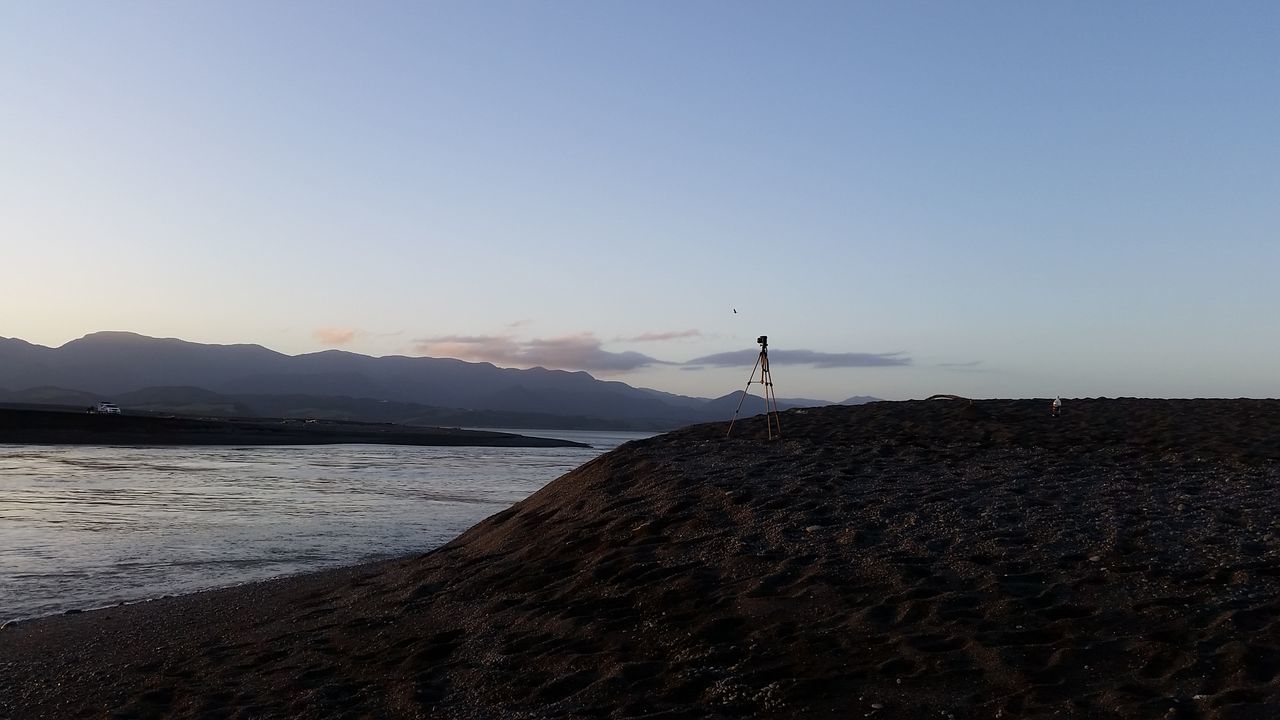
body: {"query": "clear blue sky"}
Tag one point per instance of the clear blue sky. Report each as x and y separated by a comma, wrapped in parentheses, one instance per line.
(993, 199)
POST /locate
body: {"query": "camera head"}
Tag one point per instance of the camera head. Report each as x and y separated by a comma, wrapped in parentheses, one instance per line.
(763, 340)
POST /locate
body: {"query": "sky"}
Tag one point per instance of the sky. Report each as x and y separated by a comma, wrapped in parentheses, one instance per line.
(992, 199)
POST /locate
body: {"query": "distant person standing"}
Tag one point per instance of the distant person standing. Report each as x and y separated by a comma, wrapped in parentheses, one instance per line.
(1057, 406)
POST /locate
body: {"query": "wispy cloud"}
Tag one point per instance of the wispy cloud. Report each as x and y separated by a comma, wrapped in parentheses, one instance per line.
(741, 358)
(972, 364)
(572, 352)
(662, 336)
(486, 348)
(335, 337)
(585, 351)
(339, 336)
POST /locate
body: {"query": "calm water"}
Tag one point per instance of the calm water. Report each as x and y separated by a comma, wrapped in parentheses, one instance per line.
(84, 527)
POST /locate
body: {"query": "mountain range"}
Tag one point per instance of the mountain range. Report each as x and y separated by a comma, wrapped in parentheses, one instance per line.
(176, 376)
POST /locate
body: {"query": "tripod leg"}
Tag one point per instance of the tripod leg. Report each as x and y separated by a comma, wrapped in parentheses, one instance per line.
(744, 394)
(771, 417)
(773, 396)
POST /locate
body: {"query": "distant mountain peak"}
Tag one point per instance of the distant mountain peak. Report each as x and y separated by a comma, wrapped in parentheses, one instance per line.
(115, 336)
(126, 339)
(860, 400)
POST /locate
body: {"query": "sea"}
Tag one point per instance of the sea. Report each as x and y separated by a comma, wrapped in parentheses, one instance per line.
(83, 527)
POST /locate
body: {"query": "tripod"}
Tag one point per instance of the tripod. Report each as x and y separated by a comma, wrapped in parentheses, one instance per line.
(770, 399)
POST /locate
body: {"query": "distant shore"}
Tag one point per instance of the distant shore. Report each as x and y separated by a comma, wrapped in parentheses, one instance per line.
(46, 427)
(938, 559)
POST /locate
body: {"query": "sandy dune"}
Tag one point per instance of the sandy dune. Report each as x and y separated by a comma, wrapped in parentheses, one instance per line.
(921, 560)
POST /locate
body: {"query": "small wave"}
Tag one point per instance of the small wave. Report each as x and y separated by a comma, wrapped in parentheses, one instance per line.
(85, 526)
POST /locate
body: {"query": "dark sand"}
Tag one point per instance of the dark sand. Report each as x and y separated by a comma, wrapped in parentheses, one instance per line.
(919, 560)
(51, 427)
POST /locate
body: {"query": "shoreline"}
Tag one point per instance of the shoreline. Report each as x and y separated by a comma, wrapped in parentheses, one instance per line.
(898, 559)
(49, 427)
(303, 577)
(13, 622)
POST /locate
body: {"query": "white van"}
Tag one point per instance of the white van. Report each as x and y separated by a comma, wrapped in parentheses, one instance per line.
(107, 408)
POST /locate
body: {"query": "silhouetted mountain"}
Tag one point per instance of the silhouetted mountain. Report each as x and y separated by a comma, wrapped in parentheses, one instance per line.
(185, 401)
(859, 400)
(197, 402)
(171, 375)
(49, 396)
(722, 407)
(371, 410)
(114, 364)
(784, 403)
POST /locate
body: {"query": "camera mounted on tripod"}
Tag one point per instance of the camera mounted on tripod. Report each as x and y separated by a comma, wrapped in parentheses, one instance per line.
(772, 424)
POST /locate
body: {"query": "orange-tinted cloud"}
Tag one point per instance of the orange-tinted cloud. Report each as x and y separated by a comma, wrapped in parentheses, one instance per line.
(335, 336)
(571, 352)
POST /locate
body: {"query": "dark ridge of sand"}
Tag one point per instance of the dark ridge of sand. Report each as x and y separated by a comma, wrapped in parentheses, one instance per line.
(51, 427)
(917, 560)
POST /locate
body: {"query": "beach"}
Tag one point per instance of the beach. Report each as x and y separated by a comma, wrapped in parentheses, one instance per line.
(926, 559)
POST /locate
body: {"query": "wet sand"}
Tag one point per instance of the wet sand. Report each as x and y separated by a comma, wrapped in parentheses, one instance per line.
(919, 560)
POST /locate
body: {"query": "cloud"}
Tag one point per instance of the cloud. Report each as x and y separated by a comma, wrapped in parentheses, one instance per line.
(746, 358)
(662, 336)
(585, 351)
(571, 352)
(488, 348)
(974, 363)
(335, 336)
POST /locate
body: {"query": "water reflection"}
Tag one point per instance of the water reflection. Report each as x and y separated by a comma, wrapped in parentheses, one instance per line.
(91, 526)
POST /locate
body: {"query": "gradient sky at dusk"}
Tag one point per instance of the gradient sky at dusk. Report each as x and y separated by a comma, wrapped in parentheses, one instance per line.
(993, 199)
